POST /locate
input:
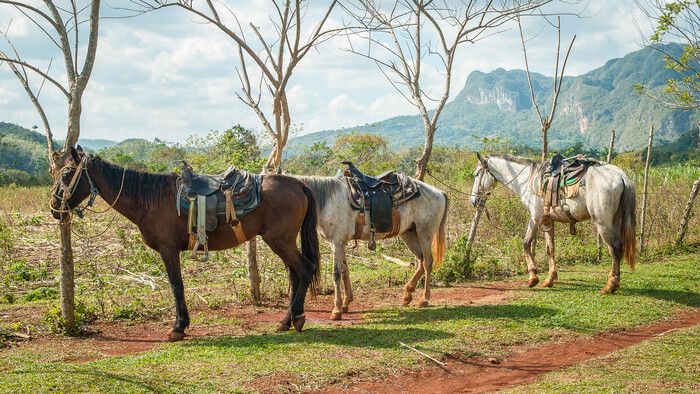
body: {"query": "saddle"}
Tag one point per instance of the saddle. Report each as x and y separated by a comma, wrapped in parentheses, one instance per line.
(204, 198)
(380, 196)
(562, 179)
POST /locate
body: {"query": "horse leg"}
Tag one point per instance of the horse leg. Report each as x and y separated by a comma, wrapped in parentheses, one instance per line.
(549, 236)
(348, 298)
(182, 318)
(410, 238)
(338, 257)
(615, 248)
(427, 265)
(300, 274)
(286, 323)
(528, 246)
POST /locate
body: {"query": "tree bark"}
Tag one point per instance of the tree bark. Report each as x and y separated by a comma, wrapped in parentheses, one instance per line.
(67, 279)
(475, 224)
(646, 185)
(253, 273)
(688, 209)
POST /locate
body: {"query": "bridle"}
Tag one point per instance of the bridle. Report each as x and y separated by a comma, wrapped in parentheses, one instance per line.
(484, 169)
(69, 189)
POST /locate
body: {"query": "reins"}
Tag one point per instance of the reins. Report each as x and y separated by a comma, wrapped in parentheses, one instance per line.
(479, 182)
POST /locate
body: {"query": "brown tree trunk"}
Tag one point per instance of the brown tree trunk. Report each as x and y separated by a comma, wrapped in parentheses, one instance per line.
(67, 279)
(422, 161)
(253, 273)
(475, 224)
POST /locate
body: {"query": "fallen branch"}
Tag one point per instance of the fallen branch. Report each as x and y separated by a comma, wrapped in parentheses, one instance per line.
(421, 353)
(395, 260)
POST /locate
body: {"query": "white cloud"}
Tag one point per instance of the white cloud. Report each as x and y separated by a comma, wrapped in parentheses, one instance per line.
(161, 75)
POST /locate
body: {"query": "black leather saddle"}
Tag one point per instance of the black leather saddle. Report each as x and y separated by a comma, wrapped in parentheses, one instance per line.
(379, 195)
(204, 198)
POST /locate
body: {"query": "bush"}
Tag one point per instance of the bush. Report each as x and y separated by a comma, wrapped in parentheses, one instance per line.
(457, 266)
(56, 324)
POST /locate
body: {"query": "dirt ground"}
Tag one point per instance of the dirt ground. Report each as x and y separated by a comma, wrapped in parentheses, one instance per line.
(459, 374)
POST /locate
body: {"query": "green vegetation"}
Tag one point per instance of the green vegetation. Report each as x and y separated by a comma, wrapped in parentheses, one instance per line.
(669, 363)
(323, 355)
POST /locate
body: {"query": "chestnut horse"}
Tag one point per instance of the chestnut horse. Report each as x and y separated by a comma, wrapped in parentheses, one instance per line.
(608, 199)
(287, 207)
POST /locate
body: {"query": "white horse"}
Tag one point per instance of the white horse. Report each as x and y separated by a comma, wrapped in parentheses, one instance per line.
(607, 198)
(422, 230)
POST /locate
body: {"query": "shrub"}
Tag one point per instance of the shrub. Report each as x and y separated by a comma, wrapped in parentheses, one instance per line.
(457, 266)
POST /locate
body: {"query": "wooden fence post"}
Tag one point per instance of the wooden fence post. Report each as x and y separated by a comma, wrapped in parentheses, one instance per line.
(646, 185)
(609, 159)
(688, 208)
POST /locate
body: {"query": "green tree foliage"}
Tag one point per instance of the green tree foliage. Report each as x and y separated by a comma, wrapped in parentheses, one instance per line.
(677, 21)
(368, 151)
(216, 151)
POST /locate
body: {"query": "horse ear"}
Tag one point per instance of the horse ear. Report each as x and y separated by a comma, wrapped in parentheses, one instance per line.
(478, 156)
(75, 155)
(79, 149)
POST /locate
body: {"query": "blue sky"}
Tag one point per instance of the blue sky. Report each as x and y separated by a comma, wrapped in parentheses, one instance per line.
(164, 75)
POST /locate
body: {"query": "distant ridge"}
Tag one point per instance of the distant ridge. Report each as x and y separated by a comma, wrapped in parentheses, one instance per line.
(498, 104)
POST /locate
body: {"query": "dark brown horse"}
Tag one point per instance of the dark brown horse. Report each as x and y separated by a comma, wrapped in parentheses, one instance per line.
(148, 199)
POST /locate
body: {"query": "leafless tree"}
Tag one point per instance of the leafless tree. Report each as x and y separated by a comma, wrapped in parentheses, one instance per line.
(63, 27)
(284, 43)
(404, 36)
(546, 122)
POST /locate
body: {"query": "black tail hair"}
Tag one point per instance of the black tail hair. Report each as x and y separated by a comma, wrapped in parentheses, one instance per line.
(309, 239)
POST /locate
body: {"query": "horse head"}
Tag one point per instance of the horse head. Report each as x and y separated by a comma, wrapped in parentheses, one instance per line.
(72, 185)
(484, 181)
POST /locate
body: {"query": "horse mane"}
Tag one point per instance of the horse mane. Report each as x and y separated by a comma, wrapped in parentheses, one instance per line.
(323, 187)
(538, 167)
(144, 188)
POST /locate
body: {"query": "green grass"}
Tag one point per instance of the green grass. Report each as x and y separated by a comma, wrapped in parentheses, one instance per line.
(323, 355)
(670, 363)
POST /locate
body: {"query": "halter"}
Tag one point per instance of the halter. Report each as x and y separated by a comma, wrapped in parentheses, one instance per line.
(70, 189)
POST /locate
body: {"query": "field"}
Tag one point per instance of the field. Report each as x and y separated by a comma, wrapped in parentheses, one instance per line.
(490, 331)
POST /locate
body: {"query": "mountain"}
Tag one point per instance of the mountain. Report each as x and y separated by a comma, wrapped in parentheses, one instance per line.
(22, 149)
(498, 104)
(96, 144)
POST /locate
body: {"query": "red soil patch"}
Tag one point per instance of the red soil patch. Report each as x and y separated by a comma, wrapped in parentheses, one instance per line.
(478, 375)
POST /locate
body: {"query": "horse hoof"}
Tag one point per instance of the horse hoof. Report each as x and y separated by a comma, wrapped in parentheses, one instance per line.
(407, 298)
(547, 283)
(344, 309)
(283, 326)
(533, 282)
(174, 336)
(299, 324)
(422, 303)
(336, 316)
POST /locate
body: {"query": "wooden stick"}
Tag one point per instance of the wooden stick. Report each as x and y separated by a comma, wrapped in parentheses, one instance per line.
(421, 353)
(688, 209)
(395, 260)
(646, 186)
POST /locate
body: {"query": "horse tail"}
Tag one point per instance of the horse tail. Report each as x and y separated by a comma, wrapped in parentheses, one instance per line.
(439, 238)
(309, 239)
(628, 204)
